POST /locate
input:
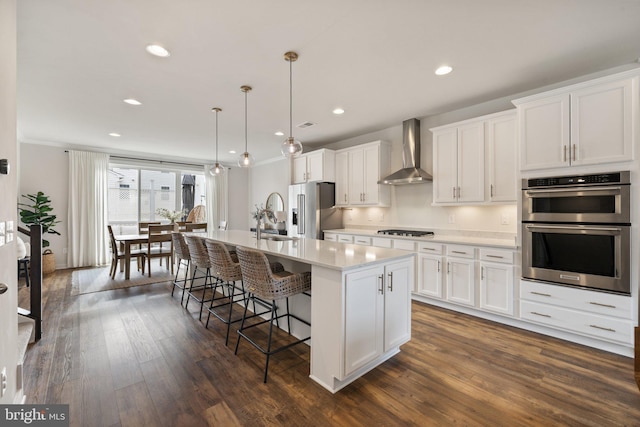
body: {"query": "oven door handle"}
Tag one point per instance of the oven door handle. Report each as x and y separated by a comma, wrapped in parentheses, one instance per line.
(573, 228)
(573, 190)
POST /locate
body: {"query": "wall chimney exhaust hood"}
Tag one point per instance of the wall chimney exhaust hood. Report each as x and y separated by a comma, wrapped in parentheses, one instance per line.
(410, 172)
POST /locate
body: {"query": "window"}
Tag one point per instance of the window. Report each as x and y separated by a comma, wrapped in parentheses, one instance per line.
(136, 193)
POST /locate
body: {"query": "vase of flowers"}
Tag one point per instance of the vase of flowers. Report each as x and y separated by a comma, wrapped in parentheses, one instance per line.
(172, 216)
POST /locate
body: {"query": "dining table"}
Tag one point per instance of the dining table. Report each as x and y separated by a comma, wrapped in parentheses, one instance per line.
(126, 240)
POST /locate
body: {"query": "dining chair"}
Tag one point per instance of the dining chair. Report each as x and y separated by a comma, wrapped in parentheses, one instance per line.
(117, 255)
(196, 226)
(143, 227)
(201, 263)
(265, 285)
(197, 214)
(184, 259)
(182, 225)
(159, 234)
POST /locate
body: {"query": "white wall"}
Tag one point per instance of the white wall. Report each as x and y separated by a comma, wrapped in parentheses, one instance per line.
(8, 196)
(238, 180)
(46, 168)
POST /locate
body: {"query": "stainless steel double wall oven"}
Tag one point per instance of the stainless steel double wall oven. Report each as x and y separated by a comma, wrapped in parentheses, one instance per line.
(576, 231)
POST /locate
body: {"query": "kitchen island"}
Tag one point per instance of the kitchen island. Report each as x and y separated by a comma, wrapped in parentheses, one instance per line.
(360, 300)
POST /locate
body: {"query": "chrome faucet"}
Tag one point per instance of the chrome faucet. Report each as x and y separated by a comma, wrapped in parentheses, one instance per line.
(262, 212)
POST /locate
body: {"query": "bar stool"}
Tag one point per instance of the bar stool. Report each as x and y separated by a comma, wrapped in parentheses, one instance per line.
(184, 259)
(227, 268)
(262, 283)
(199, 262)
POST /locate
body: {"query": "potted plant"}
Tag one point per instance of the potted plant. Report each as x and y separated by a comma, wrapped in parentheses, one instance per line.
(39, 211)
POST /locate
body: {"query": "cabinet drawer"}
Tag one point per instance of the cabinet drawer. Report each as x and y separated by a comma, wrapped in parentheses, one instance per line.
(331, 237)
(496, 255)
(430, 248)
(345, 238)
(578, 299)
(361, 240)
(619, 330)
(460, 251)
(381, 242)
(407, 245)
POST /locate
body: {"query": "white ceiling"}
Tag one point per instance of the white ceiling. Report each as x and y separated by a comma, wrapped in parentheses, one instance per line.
(78, 59)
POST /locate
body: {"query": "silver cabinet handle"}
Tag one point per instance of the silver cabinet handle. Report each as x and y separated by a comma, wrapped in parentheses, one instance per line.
(427, 249)
(564, 153)
(481, 273)
(459, 252)
(345, 197)
(448, 267)
(602, 328)
(602, 305)
(390, 286)
(364, 197)
(541, 294)
(438, 266)
(540, 314)
(381, 288)
(494, 256)
(491, 191)
(454, 192)
(574, 153)
(458, 192)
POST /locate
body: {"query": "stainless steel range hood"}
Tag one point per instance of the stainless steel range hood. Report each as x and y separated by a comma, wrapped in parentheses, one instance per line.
(410, 172)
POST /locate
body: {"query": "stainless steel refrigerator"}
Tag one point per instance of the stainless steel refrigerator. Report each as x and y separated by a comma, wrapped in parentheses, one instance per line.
(312, 210)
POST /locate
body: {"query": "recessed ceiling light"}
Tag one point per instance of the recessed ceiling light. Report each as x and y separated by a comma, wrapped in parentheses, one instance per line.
(116, 135)
(279, 133)
(157, 50)
(445, 69)
(132, 101)
(232, 152)
(338, 111)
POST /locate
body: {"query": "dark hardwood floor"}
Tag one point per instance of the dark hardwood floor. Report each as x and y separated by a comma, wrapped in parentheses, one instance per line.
(136, 357)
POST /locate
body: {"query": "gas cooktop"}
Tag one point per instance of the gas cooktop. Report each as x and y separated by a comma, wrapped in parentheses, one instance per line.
(409, 233)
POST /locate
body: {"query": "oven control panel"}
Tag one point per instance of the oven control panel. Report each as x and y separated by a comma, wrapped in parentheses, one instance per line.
(578, 180)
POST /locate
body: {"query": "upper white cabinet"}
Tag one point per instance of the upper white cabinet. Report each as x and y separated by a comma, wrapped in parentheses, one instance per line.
(357, 183)
(501, 138)
(583, 124)
(317, 165)
(458, 163)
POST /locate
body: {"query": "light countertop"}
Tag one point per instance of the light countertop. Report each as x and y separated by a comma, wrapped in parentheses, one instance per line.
(337, 256)
(471, 238)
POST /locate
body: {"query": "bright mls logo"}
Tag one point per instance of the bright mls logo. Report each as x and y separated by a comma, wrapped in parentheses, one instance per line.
(37, 415)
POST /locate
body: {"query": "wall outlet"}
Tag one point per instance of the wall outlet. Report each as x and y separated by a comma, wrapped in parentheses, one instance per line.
(504, 219)
(3, 381)
(452, 219)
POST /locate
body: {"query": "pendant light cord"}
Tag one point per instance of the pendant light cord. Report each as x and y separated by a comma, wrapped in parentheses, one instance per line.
(245, 122)
(216, 137)
(290, 99)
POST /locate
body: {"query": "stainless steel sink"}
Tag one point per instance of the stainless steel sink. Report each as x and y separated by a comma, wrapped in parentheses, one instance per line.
(276, 237)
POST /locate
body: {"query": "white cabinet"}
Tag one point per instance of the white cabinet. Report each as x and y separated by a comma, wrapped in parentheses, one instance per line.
(594, 314)
(362, 240)
(342, 178)
(583, 124)
(332, 237)
(365, 165)
(502, 144)
(430, 266)
(345, 238)
(315, 166)
(460, 278)
(496, 281)
(458, 163)
(377, 312)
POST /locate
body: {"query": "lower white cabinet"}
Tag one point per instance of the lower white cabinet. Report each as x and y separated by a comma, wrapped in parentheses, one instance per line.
(461, 278)
(594, 314)
(430, 276)
(377, 312)
(496, 287)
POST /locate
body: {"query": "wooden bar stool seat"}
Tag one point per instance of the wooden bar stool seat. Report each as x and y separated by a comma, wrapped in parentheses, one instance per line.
(263, 284)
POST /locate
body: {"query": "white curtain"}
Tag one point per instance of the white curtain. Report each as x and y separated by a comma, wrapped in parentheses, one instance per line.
(217, 198)
(87, 222)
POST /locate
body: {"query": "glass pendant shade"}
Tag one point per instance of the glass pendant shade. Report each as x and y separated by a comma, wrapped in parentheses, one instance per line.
(217, 169)
(291, 147)
(246, 160)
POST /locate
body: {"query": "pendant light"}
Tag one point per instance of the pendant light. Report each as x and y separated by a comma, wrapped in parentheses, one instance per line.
(217, 168)
(246, 160)
(291, 147)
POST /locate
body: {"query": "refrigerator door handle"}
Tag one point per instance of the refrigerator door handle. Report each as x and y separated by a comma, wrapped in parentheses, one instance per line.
(301, 214)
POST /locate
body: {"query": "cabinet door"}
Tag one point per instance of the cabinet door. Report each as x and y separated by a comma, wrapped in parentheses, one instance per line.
(315, 166)
(471, 163)
(364, 305)
(300, 169)
(602, 123)
(461, 281)
(502, 143)
(356, 176)
(496, 287)
(399, 278)
(544, 133)
(445, 164)
(342, 176)
(371, 175)
(429, 281)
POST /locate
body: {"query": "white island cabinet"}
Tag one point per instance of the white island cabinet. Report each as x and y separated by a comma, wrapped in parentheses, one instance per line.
(360, 301)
